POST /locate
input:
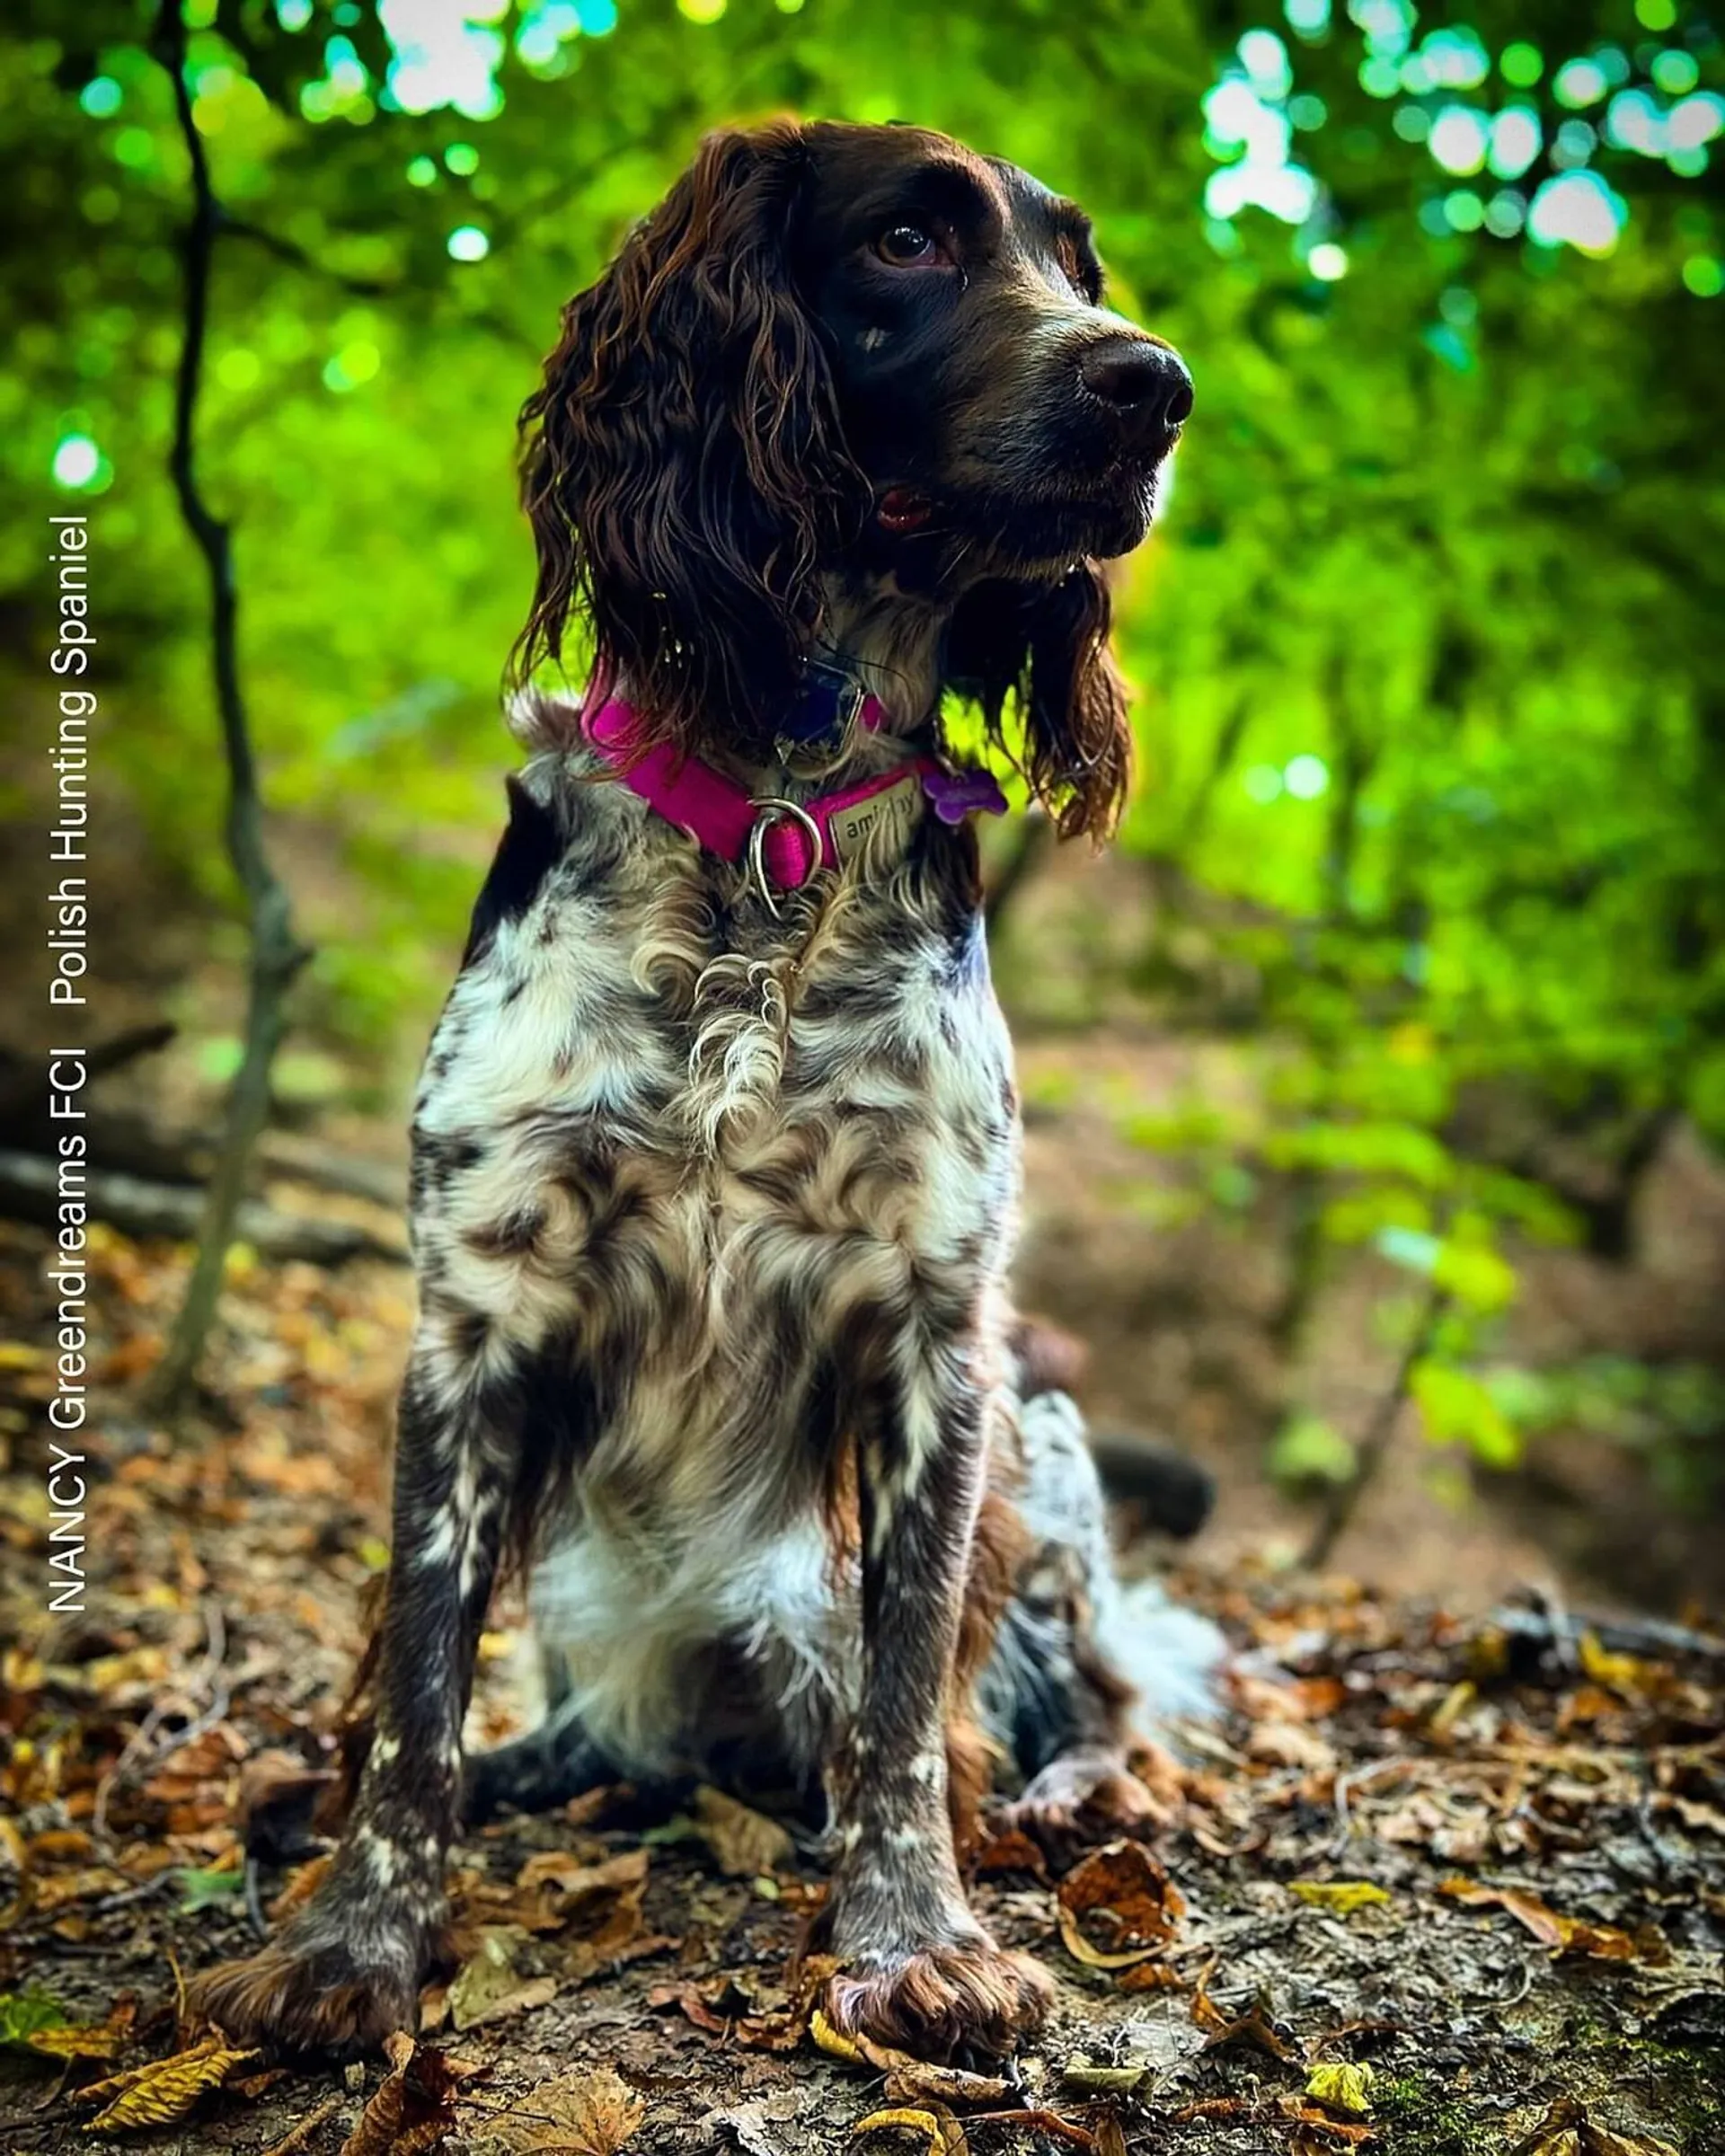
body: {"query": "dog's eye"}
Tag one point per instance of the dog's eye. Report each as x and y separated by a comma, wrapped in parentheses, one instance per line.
(907, 247)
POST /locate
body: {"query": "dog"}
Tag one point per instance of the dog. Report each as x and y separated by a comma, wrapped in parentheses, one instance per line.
(716, 1150)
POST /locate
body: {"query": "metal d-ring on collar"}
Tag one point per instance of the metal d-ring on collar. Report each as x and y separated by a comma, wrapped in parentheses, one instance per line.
(770, 809)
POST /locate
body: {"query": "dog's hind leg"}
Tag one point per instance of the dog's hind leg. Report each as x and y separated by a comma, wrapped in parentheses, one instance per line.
(345, 1972)
(1075, 1652)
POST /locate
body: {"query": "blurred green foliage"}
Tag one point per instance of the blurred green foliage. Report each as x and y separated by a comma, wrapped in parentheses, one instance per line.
(1432, 698)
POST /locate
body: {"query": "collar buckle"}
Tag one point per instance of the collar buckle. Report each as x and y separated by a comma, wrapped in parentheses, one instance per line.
(770, 811)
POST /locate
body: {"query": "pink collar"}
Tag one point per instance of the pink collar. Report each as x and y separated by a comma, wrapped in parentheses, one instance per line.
(785, 842)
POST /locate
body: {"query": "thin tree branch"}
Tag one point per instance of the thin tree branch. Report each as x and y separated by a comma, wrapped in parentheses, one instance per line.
(277, 954)
(296, 258)
(1343, 1497)
(1032, 836)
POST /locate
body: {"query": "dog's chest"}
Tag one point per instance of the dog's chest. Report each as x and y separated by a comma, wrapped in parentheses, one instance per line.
(634, 1109)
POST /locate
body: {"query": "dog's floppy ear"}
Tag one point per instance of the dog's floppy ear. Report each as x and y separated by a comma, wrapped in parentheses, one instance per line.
(683, 463)
(1042, 649)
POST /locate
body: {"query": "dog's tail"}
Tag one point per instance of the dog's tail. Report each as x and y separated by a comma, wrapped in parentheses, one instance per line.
(1171, 1656)
(1173, 1494)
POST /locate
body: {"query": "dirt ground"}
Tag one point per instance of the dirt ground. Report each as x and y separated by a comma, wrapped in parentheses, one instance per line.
(1482, 1863)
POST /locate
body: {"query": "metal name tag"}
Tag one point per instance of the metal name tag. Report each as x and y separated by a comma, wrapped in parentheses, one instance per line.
(893, 813)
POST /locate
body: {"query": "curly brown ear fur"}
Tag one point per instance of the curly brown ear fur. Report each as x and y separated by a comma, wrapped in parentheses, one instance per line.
(1044, 649)
(683, 463)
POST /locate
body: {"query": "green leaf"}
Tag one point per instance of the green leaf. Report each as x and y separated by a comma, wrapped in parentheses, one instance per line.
(1477, 1278)
(209, 1889)
(1457, 1408)
(23, 2013)
(1308, 1449)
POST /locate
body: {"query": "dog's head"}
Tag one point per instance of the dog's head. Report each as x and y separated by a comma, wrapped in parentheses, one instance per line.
(852, 359)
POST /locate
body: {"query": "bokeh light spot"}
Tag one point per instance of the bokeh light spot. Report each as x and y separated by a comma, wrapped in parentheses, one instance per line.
(353, 364)
(1515, 138)
(701, 11)
(1696, 121)
(1307, 18)
(1705, 275)
(468, 243)
(1463, 210)
(1521, 63)
(238, 369)
(1306, 777)
(1264, 784)
(422, 172)
(1580, 83)
(1656, 14)
(462, 157)
(1506, 213)
(1456, 59)
(1459, 139)
(1264, 58)
(76, 461)
(1326, 262)
(100, 96)
(1574, 143)
(1675, 73)
(1579, 210)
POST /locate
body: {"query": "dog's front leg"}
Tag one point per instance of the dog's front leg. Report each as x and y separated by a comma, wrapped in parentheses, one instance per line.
(921, 1971)
(346, 1971)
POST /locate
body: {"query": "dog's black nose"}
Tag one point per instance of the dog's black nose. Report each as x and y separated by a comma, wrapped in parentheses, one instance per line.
(1146, 383)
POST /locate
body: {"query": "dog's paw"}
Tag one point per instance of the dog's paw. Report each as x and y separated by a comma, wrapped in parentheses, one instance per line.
(971, 1998)
(1082, 1797)
(314, 1992)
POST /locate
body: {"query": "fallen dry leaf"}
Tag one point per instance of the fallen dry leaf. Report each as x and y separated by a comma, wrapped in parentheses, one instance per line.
(580, 2113)
(1125, 1895)
(1564, 1934)
(411, 2109)
(598, 1905)
(745, 1843)
(1567, 2130)
(1290, 1744)
(1087, 2079)
(1012, 1851)
(1341, 1897)
(75, 2041)
(1342, 2087)
(487, 1987)
(164, 2090)
(945, 2136)
(1254, 2026)
(1622, 1673)
(907, 2077)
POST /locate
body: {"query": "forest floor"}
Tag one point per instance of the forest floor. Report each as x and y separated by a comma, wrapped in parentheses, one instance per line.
(1433, 1882)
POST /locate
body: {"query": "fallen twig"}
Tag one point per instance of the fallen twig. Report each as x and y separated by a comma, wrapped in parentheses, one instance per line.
(296, 2137)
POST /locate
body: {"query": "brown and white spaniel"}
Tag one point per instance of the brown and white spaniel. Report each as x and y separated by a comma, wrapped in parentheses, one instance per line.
(716, 1152)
